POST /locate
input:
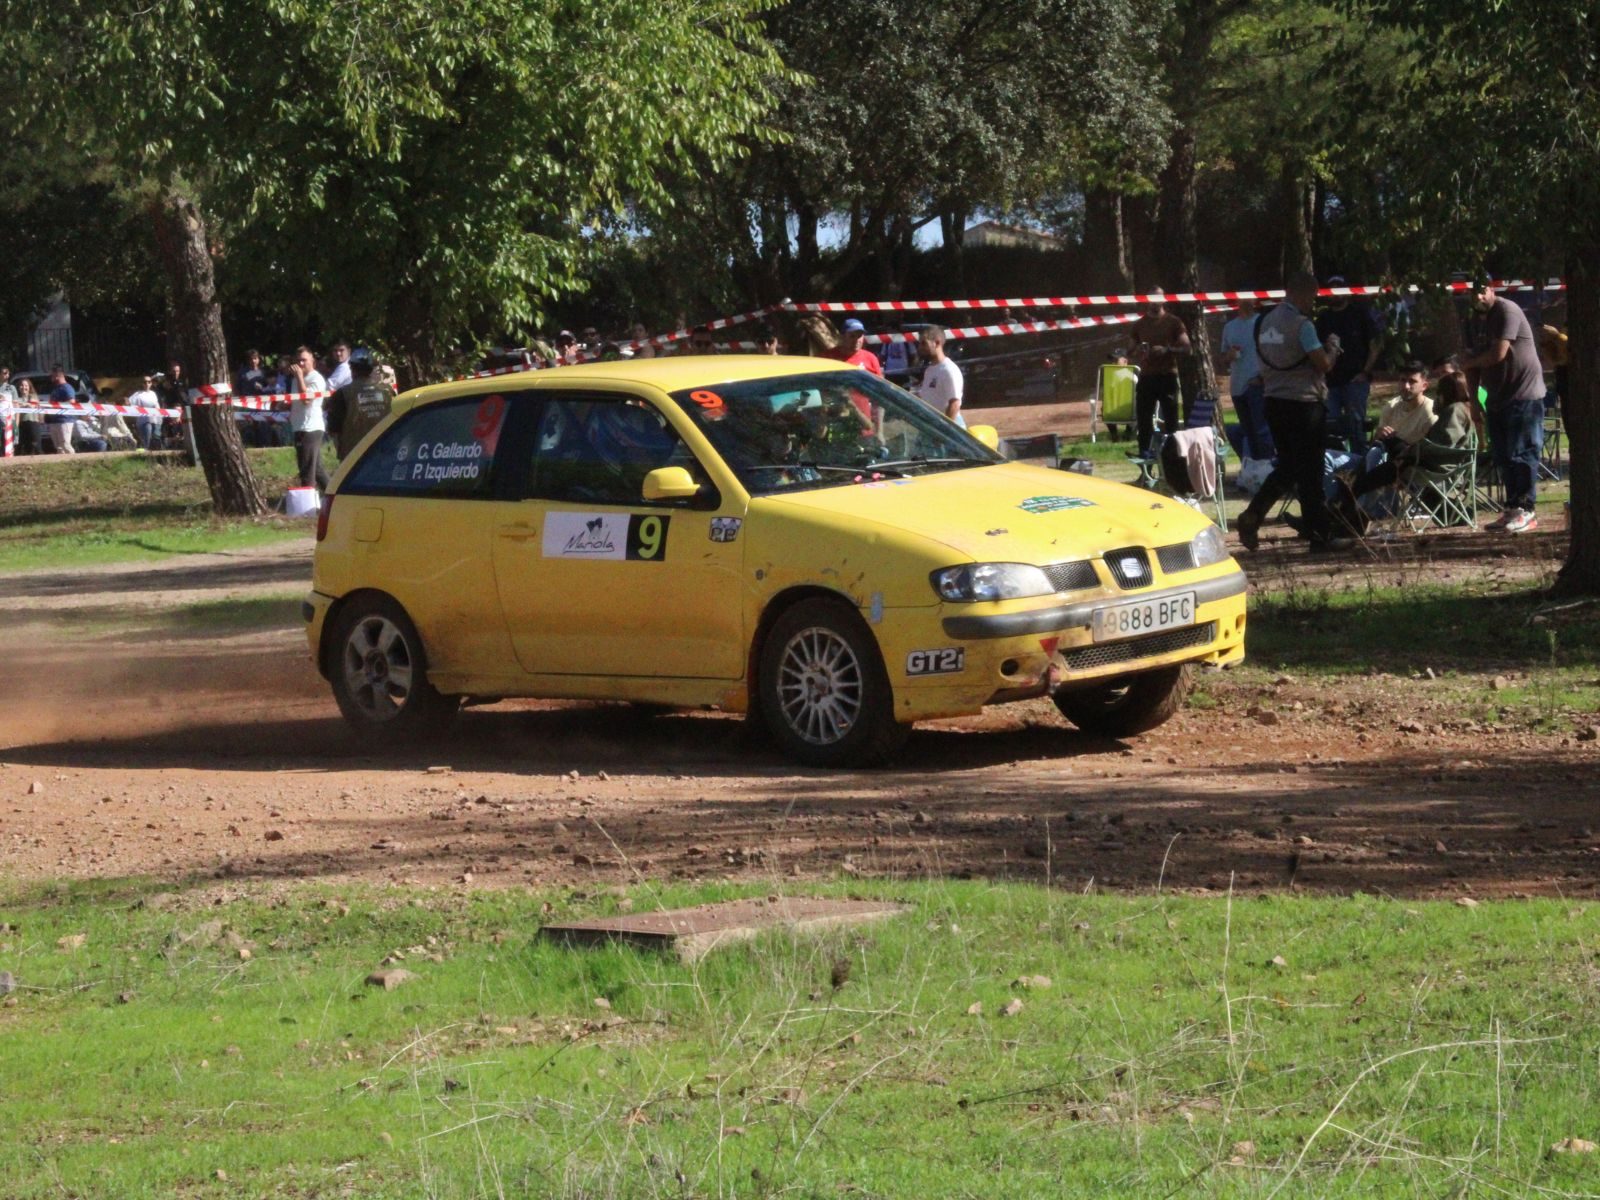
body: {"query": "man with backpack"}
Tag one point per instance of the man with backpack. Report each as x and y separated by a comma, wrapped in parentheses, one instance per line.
(1294, 365)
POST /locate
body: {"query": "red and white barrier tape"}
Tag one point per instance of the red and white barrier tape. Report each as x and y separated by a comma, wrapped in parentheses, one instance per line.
(6, 450)
(844, 306)
(80, 407)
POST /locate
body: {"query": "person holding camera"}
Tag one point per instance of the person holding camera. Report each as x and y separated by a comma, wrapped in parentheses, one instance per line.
(306, 421)
(1156, 340)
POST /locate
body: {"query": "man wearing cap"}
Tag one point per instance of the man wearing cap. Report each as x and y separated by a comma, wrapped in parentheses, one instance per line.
(566, 349)
(1357, 330)
(853, 348)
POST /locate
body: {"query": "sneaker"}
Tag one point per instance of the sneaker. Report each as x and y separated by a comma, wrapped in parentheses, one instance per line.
(1249, 527)
(1522, 522)
(1502, 520)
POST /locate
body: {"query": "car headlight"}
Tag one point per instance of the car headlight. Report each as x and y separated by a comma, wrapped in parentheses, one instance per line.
(1208, 547)
(991, 581)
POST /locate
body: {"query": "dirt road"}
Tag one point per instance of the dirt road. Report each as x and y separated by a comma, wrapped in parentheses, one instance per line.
(135, 747)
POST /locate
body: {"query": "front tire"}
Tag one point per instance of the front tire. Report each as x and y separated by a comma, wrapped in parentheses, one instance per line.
(1129, 704)
(824, 692)
(380, 674)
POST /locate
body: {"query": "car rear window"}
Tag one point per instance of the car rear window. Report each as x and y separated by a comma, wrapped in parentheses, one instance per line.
(442, 450)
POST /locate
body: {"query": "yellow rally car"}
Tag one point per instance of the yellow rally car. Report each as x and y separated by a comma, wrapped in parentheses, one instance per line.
(781, 536)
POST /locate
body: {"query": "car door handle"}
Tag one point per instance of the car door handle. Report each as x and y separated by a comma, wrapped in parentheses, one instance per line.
(517, 533)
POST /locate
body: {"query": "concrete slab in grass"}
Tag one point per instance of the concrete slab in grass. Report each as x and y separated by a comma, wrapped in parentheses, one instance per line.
(693, 932)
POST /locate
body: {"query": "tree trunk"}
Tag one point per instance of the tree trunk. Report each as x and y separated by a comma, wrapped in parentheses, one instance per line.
(1293, 196)
(197, 342)
(1108, 263)
(1580, 415)
(806, 254)
(953, 229)
(1179, 248)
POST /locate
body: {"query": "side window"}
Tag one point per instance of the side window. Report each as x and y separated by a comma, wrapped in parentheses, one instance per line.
(594, 450)
(444, 450)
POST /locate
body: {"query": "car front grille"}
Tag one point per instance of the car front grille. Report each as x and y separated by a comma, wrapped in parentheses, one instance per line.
(1072, 576)
(1129, 567)
(1176, 558)
(1108, 654)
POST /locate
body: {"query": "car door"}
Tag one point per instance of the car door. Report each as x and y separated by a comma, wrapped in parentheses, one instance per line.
(594, 580)
(420, 505)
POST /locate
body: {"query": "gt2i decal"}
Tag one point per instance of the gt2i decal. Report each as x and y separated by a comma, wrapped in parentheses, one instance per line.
(947, 661)
(726, 529)
(1050, 504)
(606, 536)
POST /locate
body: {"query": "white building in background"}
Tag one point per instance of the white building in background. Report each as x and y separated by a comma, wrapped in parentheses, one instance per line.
(994, 233)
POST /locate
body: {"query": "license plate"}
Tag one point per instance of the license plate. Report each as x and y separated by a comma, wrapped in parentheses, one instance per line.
(1143, 616)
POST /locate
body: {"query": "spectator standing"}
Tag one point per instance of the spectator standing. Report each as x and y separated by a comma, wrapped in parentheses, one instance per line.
(567, 349)
(942, 386)
(358, 405)
(700, 341)
(1359, 328)
(8, 405)
(1156, 339)
(766, 340)
(60, 425)
(641, 335)
(853, 348)
(30, 423)
(252, 376)
(1294, 362)
(306, 419)
(146, 430)
(1244, 381)
(1510, 372)
(341, 374)
(1553, 345)
(173, 392)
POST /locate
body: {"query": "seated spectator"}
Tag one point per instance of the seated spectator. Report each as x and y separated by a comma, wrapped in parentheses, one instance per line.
(1450, 430)
(1453, 391)
(1405, 420)
(89, 436)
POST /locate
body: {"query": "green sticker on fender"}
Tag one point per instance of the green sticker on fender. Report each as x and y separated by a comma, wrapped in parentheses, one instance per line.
(1049, 504)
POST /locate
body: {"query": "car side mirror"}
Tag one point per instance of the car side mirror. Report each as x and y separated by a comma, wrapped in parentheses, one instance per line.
(987, 434)
(670, 483)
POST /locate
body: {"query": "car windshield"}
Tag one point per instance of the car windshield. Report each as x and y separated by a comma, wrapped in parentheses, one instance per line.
(826, 429)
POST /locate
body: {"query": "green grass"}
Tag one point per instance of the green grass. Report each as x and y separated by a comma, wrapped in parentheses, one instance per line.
(95, 509)
(1416, 1048)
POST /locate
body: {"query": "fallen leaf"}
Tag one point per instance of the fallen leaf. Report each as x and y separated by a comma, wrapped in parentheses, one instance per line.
(1573, 1145)
(975, 1009)
(73, 941)
(1012, 1008)
(1466, 902)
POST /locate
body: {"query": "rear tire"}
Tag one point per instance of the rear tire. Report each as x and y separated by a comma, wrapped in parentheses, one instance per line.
(824, 693)
(379, 672)
(1129, 704)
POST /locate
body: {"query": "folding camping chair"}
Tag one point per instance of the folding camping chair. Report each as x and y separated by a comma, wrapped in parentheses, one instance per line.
(1439, 490)
(1551, 466)
(1112, 405)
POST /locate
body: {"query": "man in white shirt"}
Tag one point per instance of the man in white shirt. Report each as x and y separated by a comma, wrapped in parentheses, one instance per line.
(147, 430)
(340, 375)
(941, 387)
(305, 417)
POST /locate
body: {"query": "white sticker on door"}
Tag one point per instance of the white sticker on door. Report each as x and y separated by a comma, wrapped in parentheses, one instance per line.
(640, 537)
(585, 535)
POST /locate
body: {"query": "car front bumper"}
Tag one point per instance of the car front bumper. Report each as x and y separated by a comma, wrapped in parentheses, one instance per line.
(1017, 654)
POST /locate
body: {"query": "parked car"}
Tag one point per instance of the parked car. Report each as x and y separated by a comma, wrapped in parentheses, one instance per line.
(785, 537)
(44, 382)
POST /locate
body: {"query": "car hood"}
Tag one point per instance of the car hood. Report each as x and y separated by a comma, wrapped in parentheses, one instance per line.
(1011, 512)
